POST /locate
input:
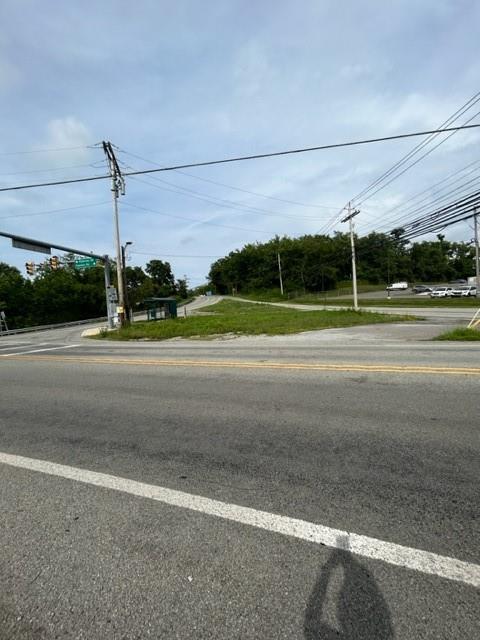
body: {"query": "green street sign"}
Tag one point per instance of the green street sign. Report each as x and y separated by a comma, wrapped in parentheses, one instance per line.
(85, 263)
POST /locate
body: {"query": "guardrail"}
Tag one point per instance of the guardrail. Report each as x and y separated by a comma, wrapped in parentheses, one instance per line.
(46, 327)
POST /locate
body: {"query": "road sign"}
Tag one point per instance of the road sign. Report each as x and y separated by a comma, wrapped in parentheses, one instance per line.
(85, 263)
(30, 246)
(112, 294)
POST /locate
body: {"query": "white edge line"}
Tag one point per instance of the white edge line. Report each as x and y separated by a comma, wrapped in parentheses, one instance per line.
(21, 353)
(391, 553)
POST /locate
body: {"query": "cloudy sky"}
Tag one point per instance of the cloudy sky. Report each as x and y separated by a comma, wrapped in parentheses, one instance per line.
(185, 81)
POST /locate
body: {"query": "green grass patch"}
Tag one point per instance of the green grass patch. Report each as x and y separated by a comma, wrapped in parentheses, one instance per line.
(331, 298)
(393, 302)
(244, 318)
(462, 333)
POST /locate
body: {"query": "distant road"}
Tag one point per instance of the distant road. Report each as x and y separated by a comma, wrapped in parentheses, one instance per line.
(448, 314)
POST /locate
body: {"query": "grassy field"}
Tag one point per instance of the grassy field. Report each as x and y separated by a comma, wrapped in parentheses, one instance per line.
(244, 318)
(462, 333)
(397, 302)
(314, 298)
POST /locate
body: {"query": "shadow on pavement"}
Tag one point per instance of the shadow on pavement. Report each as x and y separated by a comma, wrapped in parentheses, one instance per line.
(361, 610)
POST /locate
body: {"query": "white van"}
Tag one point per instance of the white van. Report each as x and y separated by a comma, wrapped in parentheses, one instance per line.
(397, 286)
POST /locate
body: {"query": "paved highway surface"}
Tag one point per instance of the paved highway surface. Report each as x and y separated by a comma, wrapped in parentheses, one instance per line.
(323, 485)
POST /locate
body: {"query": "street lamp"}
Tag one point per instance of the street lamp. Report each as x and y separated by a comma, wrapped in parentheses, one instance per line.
(124, 278)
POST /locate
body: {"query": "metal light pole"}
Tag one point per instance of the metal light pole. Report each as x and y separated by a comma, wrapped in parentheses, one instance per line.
(349, 218)
(124, 278)
(280, 272)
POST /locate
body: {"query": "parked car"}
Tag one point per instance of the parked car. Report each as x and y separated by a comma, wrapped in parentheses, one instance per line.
(397, 286)
(421, 288)
(464, 292)
(459, 281)
(441, 292)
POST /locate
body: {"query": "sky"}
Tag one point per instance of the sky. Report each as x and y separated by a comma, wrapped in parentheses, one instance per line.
(182, 82)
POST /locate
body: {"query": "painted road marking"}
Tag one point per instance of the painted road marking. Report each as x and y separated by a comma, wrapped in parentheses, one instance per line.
(12, 345)
(394, 554)
(21, 353)
(373, 368)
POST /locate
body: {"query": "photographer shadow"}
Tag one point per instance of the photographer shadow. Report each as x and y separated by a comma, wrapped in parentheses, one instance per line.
(361, 610)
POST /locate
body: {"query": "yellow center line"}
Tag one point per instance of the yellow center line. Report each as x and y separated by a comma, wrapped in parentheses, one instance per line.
(289, 366)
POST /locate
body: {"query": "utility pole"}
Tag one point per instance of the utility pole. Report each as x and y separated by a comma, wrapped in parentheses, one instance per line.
(349, 218)
(280, 272)
(477, 260)
(118, 187)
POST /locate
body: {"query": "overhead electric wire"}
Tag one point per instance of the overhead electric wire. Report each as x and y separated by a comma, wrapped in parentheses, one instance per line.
(172, 255)
(380, 188)
(387, 214)
(457, 114)
(24, 173)
(437, 201)
(220, 202)
(229, 186)
(356, 199)
(193, 220)
(428, 206)
(433, 186)
(245, 158)
(54, 211)
(45, 150)
(440, 218)
(441, 227)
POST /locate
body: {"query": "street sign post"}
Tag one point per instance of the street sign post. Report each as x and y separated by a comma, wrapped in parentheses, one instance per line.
(85, 263)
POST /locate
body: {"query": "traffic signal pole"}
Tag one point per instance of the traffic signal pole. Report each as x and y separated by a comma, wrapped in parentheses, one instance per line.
(30, 244)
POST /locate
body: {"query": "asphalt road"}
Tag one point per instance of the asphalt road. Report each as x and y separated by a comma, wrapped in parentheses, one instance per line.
(370, 431)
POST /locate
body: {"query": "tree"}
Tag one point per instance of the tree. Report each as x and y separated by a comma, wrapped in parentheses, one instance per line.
(162, 277)
(15, 296)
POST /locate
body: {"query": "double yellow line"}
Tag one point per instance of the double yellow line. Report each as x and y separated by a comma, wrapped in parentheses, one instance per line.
(228, 364)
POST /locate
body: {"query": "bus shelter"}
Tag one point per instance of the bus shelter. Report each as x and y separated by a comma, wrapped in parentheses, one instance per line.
(160, 308)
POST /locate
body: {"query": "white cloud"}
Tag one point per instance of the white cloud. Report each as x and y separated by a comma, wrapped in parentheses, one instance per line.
(68, 132)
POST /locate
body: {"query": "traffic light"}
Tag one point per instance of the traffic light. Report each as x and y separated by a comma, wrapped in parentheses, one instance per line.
(30, 267)
(54, 263)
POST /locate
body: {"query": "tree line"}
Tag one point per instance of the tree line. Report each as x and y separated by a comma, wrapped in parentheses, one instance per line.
(67, 294)
(313, 263)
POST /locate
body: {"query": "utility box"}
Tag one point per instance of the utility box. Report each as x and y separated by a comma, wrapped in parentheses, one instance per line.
(160, 308)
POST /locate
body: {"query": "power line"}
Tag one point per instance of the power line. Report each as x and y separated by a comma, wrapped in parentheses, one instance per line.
(229, 186)
(228, 204)
(24, 173)
(45, 150)
(443, 217)
(380, 188)
(171, 255)
(193, 220)
(251, 157)
(465, 107)
(385, 215)
(398, 221)
(53, 211)
(435, 201)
